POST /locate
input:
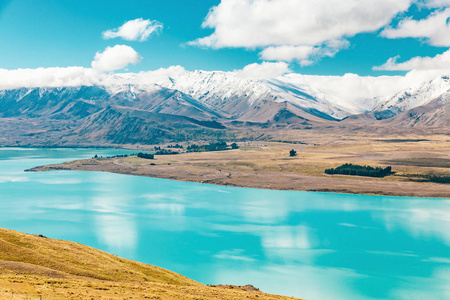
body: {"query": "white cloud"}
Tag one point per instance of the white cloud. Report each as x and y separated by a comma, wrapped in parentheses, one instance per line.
(289, 53)
(259, 23)
(359, 90)
(435, 28)
(352, 87)
(115, 58)
(134, 30)
(49, 77)
(263, 70)
(439, 62)
(305, 55)
(78, 76)
(434, 3)
(292, 29)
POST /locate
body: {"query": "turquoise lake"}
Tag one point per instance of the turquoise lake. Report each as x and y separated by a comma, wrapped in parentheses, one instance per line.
(310, 245)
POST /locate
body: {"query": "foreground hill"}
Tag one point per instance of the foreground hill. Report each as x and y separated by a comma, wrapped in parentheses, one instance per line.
(36, 266)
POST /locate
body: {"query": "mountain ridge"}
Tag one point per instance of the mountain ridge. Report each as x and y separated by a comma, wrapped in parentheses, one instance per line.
(208, 102)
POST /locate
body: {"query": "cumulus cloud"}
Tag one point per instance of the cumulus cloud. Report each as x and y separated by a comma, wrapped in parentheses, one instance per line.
(134, 30)
(435, 28)
(294, 29)
(263, 70)
(439, 62)
(115, 58)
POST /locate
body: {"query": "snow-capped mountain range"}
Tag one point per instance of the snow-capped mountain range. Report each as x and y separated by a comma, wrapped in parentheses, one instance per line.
(234, 96)
(197, 99)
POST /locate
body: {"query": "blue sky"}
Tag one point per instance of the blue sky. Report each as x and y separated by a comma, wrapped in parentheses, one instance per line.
(55, 33)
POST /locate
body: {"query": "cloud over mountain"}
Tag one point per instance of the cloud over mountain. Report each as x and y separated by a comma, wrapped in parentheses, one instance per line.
(134, 30)
(115, 58)
(439, 62)
(49, 77)
(263, 71)
(305, 55)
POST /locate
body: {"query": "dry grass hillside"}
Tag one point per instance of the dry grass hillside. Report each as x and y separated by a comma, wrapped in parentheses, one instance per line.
(36, 267)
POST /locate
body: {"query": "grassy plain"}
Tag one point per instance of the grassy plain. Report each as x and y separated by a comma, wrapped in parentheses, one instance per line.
(268, 164)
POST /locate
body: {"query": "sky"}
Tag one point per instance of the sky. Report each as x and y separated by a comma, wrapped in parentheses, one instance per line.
(320, 37)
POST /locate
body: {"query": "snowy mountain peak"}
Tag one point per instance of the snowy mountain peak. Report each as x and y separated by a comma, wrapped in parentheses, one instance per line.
(415, 96)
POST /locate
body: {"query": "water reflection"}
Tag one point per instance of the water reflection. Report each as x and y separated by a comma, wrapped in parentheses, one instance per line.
(311, 245)
(423, 222)
(118, 233)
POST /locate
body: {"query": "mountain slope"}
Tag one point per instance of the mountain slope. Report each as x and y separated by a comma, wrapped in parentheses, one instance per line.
(425, 105)
(124, 125)
(414, 97)
(37, 266)
(433, 114)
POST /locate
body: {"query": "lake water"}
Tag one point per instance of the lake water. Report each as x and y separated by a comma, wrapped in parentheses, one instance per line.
(311, 245)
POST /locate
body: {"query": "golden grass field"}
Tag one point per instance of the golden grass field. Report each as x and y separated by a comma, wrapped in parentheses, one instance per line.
(35, 267)
(268, 165)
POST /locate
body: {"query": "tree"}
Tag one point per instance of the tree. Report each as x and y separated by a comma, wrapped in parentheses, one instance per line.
(234, 146)
(292, 153)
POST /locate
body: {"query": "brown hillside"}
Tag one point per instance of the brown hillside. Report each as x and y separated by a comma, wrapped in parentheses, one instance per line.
(35, 267)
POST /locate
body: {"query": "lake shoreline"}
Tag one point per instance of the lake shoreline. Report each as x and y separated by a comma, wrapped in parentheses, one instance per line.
(355, 191)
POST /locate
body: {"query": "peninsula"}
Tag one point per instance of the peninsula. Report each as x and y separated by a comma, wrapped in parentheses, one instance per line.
(268, 165)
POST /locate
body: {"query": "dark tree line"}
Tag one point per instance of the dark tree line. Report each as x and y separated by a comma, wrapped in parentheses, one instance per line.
(350, 169)
(140, 154)
(438, 178)
(114, 156)
(175, 146)
(219, 146)
(166, 152)
(145, 155)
